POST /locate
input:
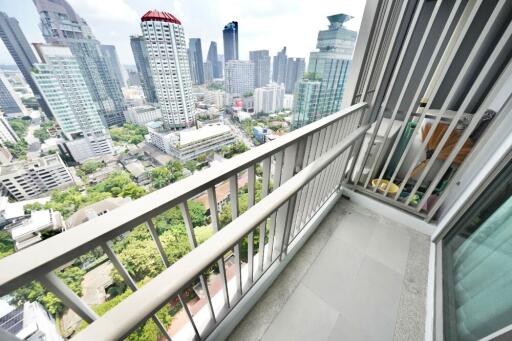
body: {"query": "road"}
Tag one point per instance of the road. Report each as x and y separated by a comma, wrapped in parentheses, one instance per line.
(34, 146)
(239, 132)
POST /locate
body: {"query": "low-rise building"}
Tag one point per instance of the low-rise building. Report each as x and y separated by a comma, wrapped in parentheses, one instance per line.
(27, 232)
(7, 134)
(32, 179)
(215, 97)
(143, 114)
(138, 171)
(260, 133)
(94, 210)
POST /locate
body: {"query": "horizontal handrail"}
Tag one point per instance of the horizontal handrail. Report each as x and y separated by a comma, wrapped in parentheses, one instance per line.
(117, 323)
(39, 259)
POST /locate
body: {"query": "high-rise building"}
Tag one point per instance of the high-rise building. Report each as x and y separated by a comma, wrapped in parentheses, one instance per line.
(239, 77)
(10, 102)
(305, 102)
(167, 52)
(134, 79)
(110, 54)
(294, 71)
(261, 60)
(140, 54)
(7, 134)
(230, 36)
(195, 53)
(279, 67)
(63, 86)
(213, 58)
(330, 66)
(21, 52)
(60, 24)
(269, 99)
(208, 71)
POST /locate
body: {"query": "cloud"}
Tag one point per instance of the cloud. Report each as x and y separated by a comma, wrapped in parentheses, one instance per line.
(108, 11)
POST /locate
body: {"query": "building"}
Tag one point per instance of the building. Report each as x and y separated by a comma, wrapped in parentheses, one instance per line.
(10, 102)
(140, 54)
(60, 81)
(305, 102)
(288, 102)
(28, 231)
(330, 66)
(21, 53)
(279, 67)
(261, 60)
(134, 97)
(111, 58)
(7, 134)
(190, 143)
(167, 51)
(95, 210)
(61, 25)
(143, 114)
(5, 156)
(260, 133)
(30, 321)
(195, 53)
(213, 58)
(230, 38)
(208, 72)
(133, 78)
(294, 71)
(138, 172)
(31, 179)
(269, 99)
(216, 98)
(239, 77)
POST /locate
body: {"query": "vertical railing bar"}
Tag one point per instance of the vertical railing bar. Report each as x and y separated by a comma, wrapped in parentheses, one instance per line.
(263, 226)
(233, 197)
(338, 136)
(396, 71)
(474, 88)
(156, 239)
(334, 175)
(190, 317)
(444, 71)
(319, 153)
(331, 142)
(415, 103)
(288, 225)
(185, 213)
(54, 284)
(355, 151)
(107, 248)
(277, 178)
(212, 203)
(303, 153)
(251, 190)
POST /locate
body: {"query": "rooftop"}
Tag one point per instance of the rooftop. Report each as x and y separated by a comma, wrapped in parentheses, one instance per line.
(160, 16)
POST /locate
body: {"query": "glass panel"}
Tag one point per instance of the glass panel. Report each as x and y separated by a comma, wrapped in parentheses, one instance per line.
(477, 265)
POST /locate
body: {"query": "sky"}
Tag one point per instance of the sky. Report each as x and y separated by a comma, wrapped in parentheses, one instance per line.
(263, 24)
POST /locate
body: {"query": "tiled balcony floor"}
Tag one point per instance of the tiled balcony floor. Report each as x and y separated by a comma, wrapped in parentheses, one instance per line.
(359, 277)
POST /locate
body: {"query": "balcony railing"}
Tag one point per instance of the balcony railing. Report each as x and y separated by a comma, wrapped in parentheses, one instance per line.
(302, 173)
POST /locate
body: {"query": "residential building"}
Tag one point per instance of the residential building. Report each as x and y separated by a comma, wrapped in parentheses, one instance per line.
(138, 172)
(7, 134)
(31, 179)
(403, 236)
(111, 58)
(167, 51)
(216, 98)
(305, 102)
(261, 60)
(269, 99)
(22, 54)
(294, 71)
(213, 58)
(61, 25)
(140, 54)
(330, 66)
(143, 114)
(239, 77)
(134, 97)
(95, 210)
(10, 102)
(5, 156)
(279, 67)
(30, 321)
(195, 53)
(28, 231)
(208, 72)
(60, 81)
(230, 38)
(287, 102)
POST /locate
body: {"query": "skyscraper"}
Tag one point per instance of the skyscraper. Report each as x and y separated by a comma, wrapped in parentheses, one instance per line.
(61, 25)
(330, 66)
(213, 57)
(294, 71)
(63, 86)
(208, 71)
(279, 67)
(10, 102)
(230, 36)
(140, 54)
(110, 54)
(196, 60)
(269, 99)
(261, 60)
(305, 101)
(21, 52)
(239, 77)
(167, 52)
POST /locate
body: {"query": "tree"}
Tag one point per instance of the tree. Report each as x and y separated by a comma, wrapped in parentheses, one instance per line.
(6, 244)
(129, 133)
(42, 134)
(19, 126)
(18, 150)
(89, 167)
(191, 165)
(160, 177)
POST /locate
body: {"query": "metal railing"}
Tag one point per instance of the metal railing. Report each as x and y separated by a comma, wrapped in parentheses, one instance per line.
(301, 171)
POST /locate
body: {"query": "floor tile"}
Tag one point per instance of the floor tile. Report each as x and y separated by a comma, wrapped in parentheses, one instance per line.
(390, 247)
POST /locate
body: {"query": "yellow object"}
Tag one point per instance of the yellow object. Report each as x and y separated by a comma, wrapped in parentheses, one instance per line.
(383, 184)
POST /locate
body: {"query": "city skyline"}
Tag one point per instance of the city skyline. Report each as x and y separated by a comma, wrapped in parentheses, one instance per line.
(113, 22)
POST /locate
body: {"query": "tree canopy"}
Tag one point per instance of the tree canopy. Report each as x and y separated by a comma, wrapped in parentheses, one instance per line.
(128, 133)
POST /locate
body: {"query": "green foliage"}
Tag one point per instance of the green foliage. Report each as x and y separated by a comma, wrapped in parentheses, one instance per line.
(129, 133)
(18, 150)
(6, 244)
(89, 167)
(42, 133)
(312, 76)
(248, 94)
(216, 86)
(19, 126)
(191, 165)
(119, 184)
(237, 148)
(166, 175)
